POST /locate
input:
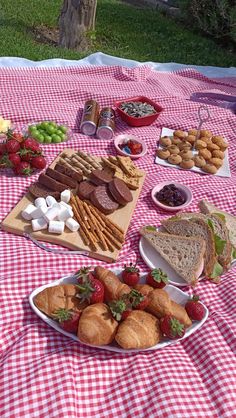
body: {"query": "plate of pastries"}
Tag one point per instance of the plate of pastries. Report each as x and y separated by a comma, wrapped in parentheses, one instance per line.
(118, 310)
(202, 151)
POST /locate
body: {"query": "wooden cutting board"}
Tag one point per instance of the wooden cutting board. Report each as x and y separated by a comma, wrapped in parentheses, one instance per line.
(15, 224)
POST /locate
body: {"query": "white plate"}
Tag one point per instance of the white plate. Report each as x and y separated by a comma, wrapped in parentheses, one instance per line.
(176, 294)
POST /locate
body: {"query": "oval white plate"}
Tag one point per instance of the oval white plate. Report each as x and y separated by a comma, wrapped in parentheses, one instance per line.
(176, 294)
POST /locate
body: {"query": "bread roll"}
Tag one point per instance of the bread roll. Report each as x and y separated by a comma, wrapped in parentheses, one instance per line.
(139, 330)
(217, 162)
(180, 134)
(200, 144)
(205, 132)
(163, 153)
(173, 149)
(165, 141)
(191, 139)
(186, 154)
(199, 161)
(97, 325)
(218, 154)
(114, 288)
(176, 140)
(184, 145)
(174, 159)
(210, 168)
(205, 153)
(187, 164)
(192, 132)
(211, 147)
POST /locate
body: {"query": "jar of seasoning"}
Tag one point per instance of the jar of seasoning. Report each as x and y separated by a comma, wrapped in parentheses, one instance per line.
(106, 123)
(90, 117)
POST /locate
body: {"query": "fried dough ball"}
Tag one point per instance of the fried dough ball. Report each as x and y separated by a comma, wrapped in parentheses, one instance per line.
(218, 154)
(210, 168)
(211, 147)
(217, 138)
(163, 153)
(165, 141)
(205, 153)
(217, 162)
(192, 132)
(186, 154)
(180, 134)
(173, 149)
(200, 144)
(187, 164)
(174, 159)
(184, 145)
(205, 132)
(199, 161)
(206, 140)
(191, 139)
(176, 140)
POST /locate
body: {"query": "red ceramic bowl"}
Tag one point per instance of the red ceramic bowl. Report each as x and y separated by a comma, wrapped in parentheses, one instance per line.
(143, 121)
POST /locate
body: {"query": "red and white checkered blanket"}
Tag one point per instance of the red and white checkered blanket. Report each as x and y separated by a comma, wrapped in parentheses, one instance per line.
(43, 373)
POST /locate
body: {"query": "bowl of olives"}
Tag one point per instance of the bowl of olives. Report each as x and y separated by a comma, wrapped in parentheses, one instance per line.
(171, 196)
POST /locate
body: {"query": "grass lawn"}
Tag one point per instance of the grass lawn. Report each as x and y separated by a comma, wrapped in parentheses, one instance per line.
(121, 30)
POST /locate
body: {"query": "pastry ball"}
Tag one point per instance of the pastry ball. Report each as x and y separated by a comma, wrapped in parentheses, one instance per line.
(205, 132)
(174, 159)
(163, 153)
(176, 140)
(186, 154)
(211, 147)
(199, 161)
(187, 164)
(210, 168)
(191, 139)
(184, 145)
(173, 149)
(217, 162)
(206, 139)
(205, 153)
(165, 141)
(180, 134)
(218, 154)
(192, 132)
(200, 144)
(216, 139)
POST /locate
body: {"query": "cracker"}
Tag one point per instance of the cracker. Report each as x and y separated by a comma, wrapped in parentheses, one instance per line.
(129, 167)
(131, 182)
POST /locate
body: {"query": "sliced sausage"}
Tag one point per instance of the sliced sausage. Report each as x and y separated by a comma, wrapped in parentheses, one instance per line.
(39, 190)
(62, 178)
(85, 189)
(102, 201)
(70, 172)
(51, 183)
(120, 191)
(100, 177)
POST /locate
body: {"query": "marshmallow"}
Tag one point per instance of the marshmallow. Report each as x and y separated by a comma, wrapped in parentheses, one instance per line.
(63, 204)
(27, 212)
(50, 200)
(64, 214)
(56, 227)
(52, 213)
(65, 196)
(40, 202)
(72, 224)
(39, 212)
(39, 224)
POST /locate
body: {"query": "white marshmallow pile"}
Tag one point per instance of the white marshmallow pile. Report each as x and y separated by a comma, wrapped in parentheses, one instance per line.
(51, 215)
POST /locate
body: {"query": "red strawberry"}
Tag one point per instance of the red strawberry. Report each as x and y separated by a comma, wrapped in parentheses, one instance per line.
(195, 309)
(14, 159)
(2, 148)
(157, 278)
(38, 162)
(12, 146)
(30, 144)
(89, 288)
(138, 300)
(68, 319)
(130, 275)
(120, 309)
(15, 135)
(172, 327)
(23, 168)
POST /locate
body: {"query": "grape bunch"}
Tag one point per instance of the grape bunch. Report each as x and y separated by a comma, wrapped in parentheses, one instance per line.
(48, 132)
(170, 195)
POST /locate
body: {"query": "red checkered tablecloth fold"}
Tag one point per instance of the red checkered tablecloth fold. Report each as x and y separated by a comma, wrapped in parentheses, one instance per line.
(43, 373)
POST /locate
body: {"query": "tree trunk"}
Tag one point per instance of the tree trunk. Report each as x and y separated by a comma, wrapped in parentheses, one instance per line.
(76, 19)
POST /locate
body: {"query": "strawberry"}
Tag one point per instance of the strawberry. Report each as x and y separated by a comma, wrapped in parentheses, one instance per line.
(68, 319)
(89, 288)
(195, 309)
(120, 309)
(12, 146)
(130, 275)
(38, 162)
(2, 148)
(157, 278)
(138, 300)
(30, 144)
(23, 168)
(14, 159)
(172, 327)
(15, 135)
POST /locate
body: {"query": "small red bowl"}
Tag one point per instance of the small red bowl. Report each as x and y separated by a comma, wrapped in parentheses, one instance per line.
(142, 121)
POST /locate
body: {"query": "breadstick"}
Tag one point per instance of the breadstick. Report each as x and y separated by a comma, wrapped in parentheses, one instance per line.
(83, 162)
(89, 235)
(83, 213)
(97, 227)
(109, 244)
(67, 164)
(96, 215)
(112, 239)
(90, 159)
(78, 164)
(118, 235)
(108, 222)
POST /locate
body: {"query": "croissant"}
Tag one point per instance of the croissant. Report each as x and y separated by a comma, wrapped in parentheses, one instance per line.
(139, 330)
(114, 288)
(145, 289)
(160, 304)
(56, 297)
(97, 325)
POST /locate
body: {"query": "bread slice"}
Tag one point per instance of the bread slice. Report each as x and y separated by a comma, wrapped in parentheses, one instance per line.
(195, 228)
(230, 220)
(183, 254)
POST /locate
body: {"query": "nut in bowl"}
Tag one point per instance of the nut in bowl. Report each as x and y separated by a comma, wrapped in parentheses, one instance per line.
(171, 196)
(138, 111)
(130, 145)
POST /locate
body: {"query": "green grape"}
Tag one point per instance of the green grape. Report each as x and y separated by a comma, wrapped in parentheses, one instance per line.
(47, 139)
(63, 129)
(56, 138)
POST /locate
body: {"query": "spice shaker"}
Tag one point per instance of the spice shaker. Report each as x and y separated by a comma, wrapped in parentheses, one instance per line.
(90, 117)
(106, 123)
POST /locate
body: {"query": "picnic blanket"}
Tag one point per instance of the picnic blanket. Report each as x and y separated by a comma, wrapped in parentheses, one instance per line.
(45, 374)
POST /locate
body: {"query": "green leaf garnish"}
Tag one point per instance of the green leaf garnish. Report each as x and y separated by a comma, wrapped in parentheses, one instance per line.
(217, 271)
(150, 228)
(219, 244)
(211, 225)
(220, 215)
(233, 253)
